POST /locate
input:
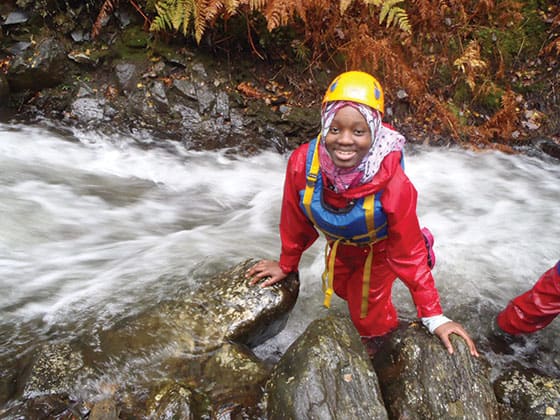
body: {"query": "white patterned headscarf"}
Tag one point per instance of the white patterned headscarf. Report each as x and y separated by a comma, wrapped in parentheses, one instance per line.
(384, 141)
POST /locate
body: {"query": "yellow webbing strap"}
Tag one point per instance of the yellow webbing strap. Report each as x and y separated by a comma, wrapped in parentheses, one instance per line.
(311, 179)
(328, 275)
(365, 282)
(368, 206)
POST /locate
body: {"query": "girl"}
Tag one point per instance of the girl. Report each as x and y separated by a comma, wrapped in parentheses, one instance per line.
(349, 184)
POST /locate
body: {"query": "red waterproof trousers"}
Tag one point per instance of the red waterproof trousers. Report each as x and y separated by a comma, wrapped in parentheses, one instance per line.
(348, 279)
(534, 309)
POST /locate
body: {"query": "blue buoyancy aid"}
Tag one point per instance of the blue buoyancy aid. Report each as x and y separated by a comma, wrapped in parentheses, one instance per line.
(363, 222)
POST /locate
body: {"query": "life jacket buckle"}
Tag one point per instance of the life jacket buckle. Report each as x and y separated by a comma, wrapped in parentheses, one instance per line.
(311, 180)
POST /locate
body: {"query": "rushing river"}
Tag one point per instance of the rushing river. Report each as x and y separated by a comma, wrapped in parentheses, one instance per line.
(95, 229)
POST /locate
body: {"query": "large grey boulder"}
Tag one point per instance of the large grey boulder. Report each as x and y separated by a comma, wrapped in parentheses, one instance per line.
(223, 308)
(420, 380)
(325, 374)
(41, 66)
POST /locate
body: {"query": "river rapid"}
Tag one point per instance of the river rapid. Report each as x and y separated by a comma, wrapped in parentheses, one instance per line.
(95, 229)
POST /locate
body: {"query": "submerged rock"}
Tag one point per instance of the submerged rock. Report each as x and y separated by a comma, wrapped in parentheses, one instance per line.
(55, 369)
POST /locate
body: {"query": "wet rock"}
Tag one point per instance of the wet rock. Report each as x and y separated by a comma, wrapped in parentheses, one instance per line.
(325, 374)
(199, 341)
(17, 47)
(224, 308)
(15, 18)
(551, 148)
(221, 108)
(170, 401)
(158, 96)
(421, 380)
(186, 88)
(88, 109)
(105, 409)
(190, 117)
(39, 67)
(231, 377)
(205, 96)
(225, 382)
(529, 395)
(127, 76)
(54, 369)
(4, 89)
(83, 58)
(54, 406)
(235, 370)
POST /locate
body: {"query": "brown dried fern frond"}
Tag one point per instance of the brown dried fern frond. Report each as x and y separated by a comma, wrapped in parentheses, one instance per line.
(470, 63)
(344, 4)
(483, 7)
(279, 12)
(380, 57)
(205, 11)
(425, 13)
(438, 118)
(509, 12)
(256, 5)
(504, 122)
(106, 9)
(553, 47)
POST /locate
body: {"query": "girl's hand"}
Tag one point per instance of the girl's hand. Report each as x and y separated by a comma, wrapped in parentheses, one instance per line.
(265, 268)
(445, 330)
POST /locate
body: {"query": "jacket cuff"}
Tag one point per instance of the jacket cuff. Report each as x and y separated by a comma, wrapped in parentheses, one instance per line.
(432, 322)
(289, 264)
(287, 269)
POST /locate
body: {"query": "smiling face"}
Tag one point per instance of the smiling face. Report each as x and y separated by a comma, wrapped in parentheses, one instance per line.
(349, 138)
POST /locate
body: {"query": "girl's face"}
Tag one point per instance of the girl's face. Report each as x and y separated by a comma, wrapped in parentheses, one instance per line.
(349, 138)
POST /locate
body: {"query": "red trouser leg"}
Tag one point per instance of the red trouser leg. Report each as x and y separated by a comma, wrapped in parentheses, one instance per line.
(534, 309)
(381, 316)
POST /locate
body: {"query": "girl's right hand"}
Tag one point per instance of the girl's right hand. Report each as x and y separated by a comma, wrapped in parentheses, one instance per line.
(264, 269)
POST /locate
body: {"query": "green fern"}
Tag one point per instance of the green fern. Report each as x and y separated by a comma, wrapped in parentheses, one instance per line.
(174, 14)
(390, 13)
(394, 15)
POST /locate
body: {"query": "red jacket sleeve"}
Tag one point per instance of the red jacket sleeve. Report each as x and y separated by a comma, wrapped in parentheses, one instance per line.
(296, 231)
(406, 250)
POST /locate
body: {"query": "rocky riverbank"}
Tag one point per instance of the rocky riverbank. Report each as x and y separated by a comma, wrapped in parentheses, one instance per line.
(129, 83)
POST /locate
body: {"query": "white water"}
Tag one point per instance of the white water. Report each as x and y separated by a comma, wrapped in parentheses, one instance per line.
(93, 229)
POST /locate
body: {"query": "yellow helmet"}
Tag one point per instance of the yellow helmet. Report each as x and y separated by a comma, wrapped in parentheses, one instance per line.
(356, 86)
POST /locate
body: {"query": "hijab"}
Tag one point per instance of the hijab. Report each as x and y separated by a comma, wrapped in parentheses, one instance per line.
(383, 141)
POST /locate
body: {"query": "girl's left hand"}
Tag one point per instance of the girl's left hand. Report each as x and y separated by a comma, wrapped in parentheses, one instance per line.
(445, 330)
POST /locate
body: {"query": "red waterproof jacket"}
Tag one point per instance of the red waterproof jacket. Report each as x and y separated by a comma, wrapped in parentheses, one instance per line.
(405, 249)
